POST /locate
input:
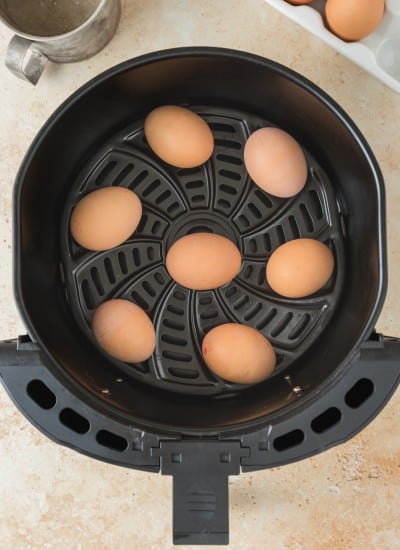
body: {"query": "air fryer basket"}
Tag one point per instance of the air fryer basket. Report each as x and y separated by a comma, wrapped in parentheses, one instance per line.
(170, 414)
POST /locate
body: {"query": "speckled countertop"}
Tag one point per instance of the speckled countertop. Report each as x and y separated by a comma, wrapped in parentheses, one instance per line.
(345, 498)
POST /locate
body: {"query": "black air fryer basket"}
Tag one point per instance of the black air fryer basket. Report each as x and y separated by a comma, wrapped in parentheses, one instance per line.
(170, 414)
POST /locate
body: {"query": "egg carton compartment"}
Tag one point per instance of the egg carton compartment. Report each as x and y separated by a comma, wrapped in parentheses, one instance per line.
(217, 197)
(378, 53)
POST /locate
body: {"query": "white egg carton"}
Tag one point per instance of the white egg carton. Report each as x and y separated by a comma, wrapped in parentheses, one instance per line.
(379, 53)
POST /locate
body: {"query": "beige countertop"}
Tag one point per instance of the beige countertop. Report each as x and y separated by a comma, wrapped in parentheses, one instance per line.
(345, 498)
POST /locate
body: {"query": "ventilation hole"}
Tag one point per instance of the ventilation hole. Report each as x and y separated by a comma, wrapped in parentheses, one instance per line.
(41, 394)
(149, 289)
(229, 144)
(267, 242)
(196, 184)
(223, 203)
(220, 127)
(252, 246)
(289, 440)
(230, 292)
(231, 160)
(111, 440)
(252, 312)
(122, 175)
(173, 207)
(294, 227)
(74, 421)
(94, 273)
(359, 393)
(263, 198)
(209, 315)
(174, 340)
(248, 272)
(150, 253)
(227, 188)
(307, 218)
(155, 228)
(109, 270)
(188, 171)
(199, 229)
(173, 325)
(140, 301)
(315, 204)
(151, 188)
(326, 420)
(180, 295)
(142, 223)
(255, 211)
(230, 175)
(122, 263)
(175, 310)
(177, 356)
(299, 328)
(241, 302)
(198, 198)
(183, 373)
(280, 234)
(159, 278)
(244, 221)
(205, 300)
(106, 171)
(282, 324)
(163, 197)
(139, 179)
(87, 294)
(136, 256)
(264, 322)
(261, 276)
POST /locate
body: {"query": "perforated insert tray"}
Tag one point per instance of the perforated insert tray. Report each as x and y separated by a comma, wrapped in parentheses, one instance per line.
(217, 197)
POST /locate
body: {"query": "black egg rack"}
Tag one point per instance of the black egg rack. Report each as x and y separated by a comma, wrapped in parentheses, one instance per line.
(217, 197)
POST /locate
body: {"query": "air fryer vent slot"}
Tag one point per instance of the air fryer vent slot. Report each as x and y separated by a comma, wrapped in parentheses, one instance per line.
(41, 394)
(326, 420)
(289, 440)
(111, 440)
(359, 393)
(74, 421)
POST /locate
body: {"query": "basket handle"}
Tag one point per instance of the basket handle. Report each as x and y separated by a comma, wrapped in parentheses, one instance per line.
(200, 471)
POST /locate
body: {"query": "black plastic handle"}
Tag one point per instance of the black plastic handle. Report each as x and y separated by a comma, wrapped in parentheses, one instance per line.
(200, 471)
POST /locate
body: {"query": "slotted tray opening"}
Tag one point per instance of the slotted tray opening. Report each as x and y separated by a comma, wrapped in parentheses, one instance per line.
(218, 197)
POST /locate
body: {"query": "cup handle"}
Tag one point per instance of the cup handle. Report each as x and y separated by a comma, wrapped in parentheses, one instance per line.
(24, 59)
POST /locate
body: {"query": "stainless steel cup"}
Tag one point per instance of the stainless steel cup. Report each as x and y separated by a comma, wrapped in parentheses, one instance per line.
(62, 31)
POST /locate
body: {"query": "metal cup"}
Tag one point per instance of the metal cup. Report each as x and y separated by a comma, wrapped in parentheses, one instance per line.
(62, 31)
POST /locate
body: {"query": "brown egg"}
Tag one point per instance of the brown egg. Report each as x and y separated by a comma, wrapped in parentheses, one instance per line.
(179, 136)
(275, 162)
(299, 268)
(202, 261)
(124, 331)
(354, 19)
(105, 218)
(238, 353)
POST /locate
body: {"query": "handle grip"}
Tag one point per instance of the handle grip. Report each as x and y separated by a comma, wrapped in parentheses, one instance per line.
(25, 60)
(200, 471)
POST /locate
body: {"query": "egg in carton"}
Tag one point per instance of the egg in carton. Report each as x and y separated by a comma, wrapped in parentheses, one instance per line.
(378, 53)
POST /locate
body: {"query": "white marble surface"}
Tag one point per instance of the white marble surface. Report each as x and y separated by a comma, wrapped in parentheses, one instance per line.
(346, 498)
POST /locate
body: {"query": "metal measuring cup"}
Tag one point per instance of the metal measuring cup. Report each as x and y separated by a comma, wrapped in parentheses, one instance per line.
(62, 31)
